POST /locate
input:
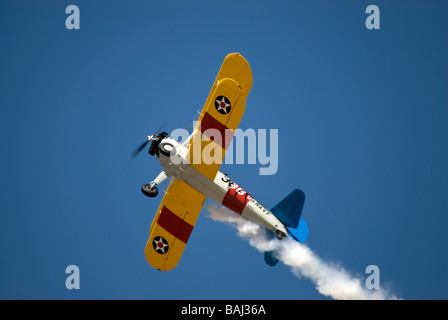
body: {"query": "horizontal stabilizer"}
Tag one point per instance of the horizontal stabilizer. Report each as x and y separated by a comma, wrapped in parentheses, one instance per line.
(270, 259)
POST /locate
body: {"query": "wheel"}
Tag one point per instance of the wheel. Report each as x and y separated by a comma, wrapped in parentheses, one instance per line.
(166, 149)
(280, 235)
(148, 191)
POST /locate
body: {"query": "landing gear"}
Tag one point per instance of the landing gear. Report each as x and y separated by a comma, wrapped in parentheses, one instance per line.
(280, 235)
(150, 190)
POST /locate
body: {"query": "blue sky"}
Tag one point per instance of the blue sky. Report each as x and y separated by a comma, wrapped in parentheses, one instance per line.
(362, 118)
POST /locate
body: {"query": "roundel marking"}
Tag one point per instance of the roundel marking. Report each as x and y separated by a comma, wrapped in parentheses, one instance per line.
(160, 245)
(222, 104)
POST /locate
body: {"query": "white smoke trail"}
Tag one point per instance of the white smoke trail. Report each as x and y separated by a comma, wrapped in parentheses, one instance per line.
(330, 279)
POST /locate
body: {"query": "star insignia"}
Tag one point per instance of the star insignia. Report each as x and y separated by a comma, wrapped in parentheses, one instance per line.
(222, 104)
(160, 245)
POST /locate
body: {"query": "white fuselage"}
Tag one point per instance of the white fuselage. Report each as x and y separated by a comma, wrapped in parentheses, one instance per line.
(222, 189)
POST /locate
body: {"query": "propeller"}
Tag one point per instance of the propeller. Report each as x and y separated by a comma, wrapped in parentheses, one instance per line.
(150, 138)
(141, 147)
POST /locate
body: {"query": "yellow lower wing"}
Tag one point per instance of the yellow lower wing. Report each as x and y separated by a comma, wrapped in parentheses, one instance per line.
(173, 225)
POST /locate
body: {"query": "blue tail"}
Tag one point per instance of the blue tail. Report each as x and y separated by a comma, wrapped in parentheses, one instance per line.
(288, 211)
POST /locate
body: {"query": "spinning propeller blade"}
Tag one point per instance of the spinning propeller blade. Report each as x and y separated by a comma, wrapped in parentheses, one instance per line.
(143, 145)
(140, 148)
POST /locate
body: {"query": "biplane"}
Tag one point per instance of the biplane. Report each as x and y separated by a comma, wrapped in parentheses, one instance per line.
(194, 167)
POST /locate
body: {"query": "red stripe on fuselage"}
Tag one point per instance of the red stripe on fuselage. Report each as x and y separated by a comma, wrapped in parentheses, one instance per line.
(236, 199)
(175, 225)
(226, 134)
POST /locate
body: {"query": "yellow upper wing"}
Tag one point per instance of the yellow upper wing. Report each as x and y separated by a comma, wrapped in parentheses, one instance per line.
(173, 225)
(221, 115)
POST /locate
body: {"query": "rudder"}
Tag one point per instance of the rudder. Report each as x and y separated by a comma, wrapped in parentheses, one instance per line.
(289, 210)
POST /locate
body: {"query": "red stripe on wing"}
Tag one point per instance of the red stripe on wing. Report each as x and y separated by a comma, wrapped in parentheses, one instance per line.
(175, 225)
(208, 122)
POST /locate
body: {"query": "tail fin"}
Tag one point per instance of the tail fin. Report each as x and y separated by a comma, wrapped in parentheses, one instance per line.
(288, 211)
